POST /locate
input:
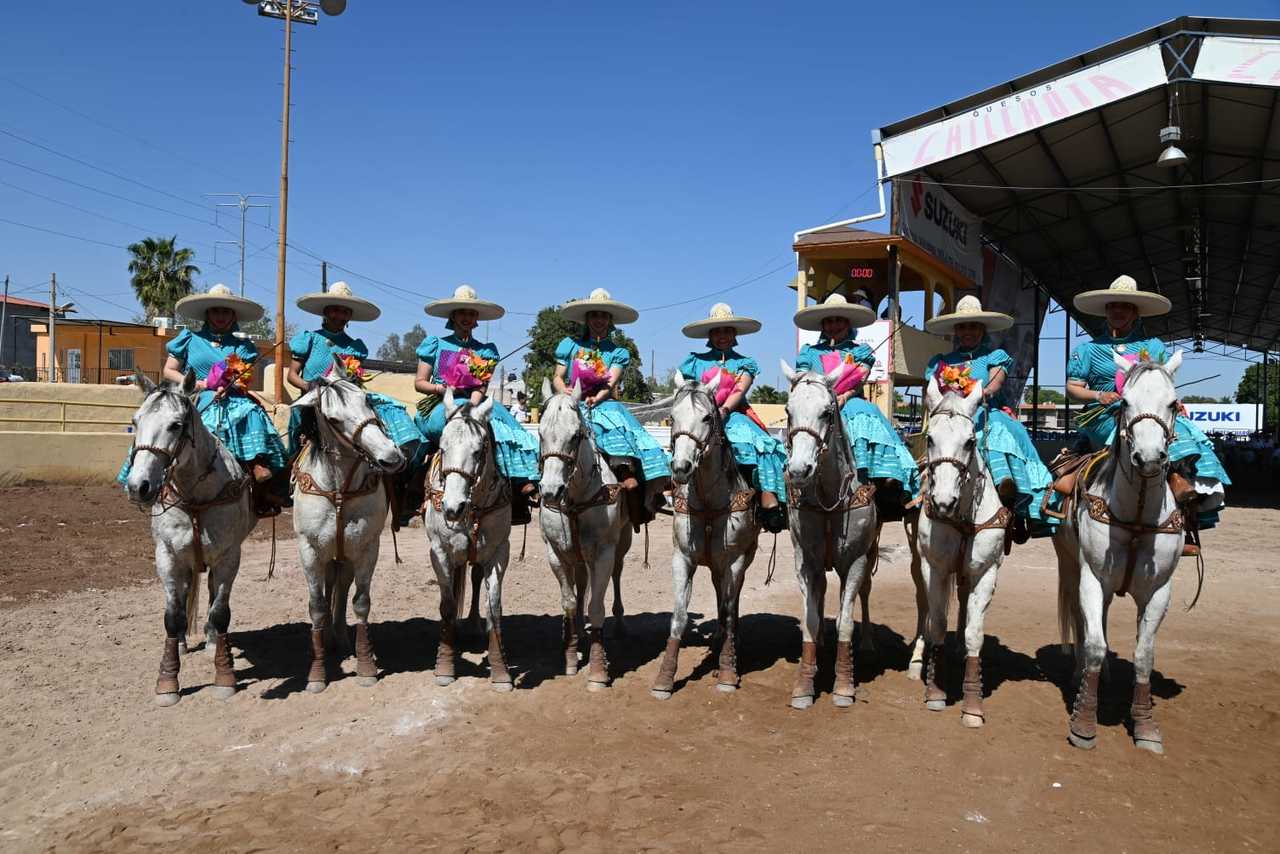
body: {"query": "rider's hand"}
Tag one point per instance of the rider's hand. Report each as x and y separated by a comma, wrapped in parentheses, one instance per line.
(1107, 398)
(843, 398)
(477, 397)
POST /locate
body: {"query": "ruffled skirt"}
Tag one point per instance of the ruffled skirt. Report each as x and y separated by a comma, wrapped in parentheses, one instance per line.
(755, 449)
(877, 448)
(619, 434)
(1010, 455)
(517, 448)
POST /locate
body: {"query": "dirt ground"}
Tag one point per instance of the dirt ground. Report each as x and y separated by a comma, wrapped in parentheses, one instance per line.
(91, 764)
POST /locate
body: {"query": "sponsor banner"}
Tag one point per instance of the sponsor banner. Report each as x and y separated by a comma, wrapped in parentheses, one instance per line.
(1224, 417)
(874, 336)
(1002, 291)
(1227, 59)
(1044, 104)
(928, 215)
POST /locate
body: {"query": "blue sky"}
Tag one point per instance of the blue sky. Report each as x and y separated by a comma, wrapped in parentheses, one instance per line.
(536, 151)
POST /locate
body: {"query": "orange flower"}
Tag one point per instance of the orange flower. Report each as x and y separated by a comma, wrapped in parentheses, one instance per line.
(957, 378)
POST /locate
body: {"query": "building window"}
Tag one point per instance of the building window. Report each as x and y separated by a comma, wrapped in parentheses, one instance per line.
(120, 359)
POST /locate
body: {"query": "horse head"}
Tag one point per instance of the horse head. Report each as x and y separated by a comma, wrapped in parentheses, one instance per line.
(561, 433)
(467, 455)
(1148, 406)
(811, 420)
(695, 425)
(951, 442)
(163, 428)
(345, 418)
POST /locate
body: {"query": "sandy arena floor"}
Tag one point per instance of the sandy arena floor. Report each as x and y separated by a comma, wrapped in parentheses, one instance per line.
(91, 764)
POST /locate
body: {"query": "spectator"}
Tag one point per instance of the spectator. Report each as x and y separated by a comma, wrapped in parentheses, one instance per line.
(520, 411)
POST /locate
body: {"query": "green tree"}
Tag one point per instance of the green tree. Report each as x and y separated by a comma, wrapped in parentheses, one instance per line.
(1250, 390)
(1047, 395)
(1199, 398)
(265, 328)
(766, 394)
(666, 387)
(161, 274)
(548, 329)
(402, 349)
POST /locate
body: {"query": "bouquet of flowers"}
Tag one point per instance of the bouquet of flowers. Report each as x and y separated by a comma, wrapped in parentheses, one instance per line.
(725, 382)
(231, 374)
(1143, 355)
(852, 375)
(588, 368)
(956, 378)
(465, 369)
(352, 370)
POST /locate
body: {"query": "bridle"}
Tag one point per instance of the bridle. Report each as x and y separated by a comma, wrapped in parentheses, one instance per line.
(1125, 434)
(963, 467)
(966, 528)
(351, 442)
(186, 436)
(851, 495)
(831, 413)
(471, 478)
(702, 444)
(572, 458)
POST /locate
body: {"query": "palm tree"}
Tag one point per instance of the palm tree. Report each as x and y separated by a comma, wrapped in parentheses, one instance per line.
(161, 274)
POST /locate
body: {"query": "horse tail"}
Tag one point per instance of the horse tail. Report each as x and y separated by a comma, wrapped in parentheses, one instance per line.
(1068, 602)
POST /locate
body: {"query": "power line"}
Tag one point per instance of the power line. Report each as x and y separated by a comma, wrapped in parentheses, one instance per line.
(701, 297)
(63, 234)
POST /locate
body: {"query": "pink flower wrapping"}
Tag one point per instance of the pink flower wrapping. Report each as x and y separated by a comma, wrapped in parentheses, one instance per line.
(725, 385)
(853, 375)
(464, 369)
(588, 368)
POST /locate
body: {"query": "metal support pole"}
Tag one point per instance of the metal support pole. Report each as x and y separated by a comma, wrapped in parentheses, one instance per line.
(4, 314)
(1066, 357)
(1262, 425)
(284, 206)
(895, 312)
(1035, 357)
(324, 277)
(53, 328)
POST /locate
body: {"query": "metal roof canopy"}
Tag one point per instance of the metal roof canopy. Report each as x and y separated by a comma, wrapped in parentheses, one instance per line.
(1081, 200)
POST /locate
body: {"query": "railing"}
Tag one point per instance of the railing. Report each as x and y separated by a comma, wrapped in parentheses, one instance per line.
(61, 420)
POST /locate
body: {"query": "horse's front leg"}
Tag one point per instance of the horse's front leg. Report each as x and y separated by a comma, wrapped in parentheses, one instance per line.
(981, 589)
(731, 590)
(363, 566)
(568, 605)
(1146, 732)
(619, 627)
(473, 620)
(317, 571)
(222, 576)
(499, 677)
(446, 657)
(938, 580)
(812, 578)
(866, 639)
(175, 576)
(916, 665)
(597, 658)
(851, 581)
(682, 569)
(1083, 731)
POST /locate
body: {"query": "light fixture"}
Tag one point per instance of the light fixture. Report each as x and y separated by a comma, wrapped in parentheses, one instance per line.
(1172, 156)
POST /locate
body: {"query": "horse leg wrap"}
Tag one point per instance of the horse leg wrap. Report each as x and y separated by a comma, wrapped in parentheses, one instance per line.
(1084, 711)
(497, 661)
(444, 651)
(844, 685)
(570, 646)
(808, 670)
(167, 683)
(971, 704)
(317, 671)
(224, 675)
(366, 664)
(935, 677)
(667, 672)
(1145, 727)
(728, 667)
(598, 664)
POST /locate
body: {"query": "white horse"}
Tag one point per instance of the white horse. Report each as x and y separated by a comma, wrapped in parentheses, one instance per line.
(1127, 530)
(205, 512)
(585, 525)
(833, 525)
(715, 526)
(339, 511)
(961, 534)
(468, 523)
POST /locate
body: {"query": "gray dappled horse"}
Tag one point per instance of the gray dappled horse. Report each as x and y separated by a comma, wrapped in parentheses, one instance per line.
(585, 526)
(714, 525)
(339, 511)
(1123, 534)
(833, 525)
(201, 511)
(468, 522)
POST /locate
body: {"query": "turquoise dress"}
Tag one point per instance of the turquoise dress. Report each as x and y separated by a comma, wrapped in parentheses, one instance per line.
(237, 419)
(617, 432)
(1004, 442)
(753, 447)
(517, 448)
(877, 448)
(314, 350)
(1091, 363)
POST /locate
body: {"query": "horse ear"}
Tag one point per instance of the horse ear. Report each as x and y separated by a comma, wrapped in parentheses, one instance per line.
(189, 382)
(973, 399)
(710, 386)
(339, 369)
(1121, 362)
(1175, 362)
(546, 390)
(932, 393)
(450, 405)
(787, 371)
(143, 382)
(482, 410)
(576, 394)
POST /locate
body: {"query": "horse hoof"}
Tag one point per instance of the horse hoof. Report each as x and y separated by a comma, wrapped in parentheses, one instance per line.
(570, 671)
(166, 699)
(445, 680)
(1145, 744)
(841, 701)
(210, 648)
(972, 721)
(597, 686)
(801, 702)
(223, 692)
(726, 687)
(316, 687)
(366, 681)
(660, 695)
(935, 705)
(1081, 742)
(502, 687)
(914, 669)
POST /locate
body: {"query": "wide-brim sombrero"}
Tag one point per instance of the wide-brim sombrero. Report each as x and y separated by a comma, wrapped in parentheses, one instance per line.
(339, 293)
(600, 300)
(219, 296)
(721, 316)
(1123, 289)
(464, 297)
(810, 317)
(968, 310)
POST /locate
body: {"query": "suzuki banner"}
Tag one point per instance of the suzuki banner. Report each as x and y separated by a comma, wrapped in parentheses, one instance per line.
(1239, 60)
(1020, 112)
(928, 215)
(1224, 417)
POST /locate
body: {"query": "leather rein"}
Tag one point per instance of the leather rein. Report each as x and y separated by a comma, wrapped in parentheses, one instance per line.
(439, 472)
(607, 494)
(966, 528)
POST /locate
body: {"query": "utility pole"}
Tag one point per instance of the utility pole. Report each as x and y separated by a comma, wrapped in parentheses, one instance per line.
(53, 327)
(4, 312)
(324, 277)
(242, 202)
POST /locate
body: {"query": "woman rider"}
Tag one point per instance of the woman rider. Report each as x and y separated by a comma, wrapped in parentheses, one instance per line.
(1196, 476)
(1020, 477)
(878, 450)
(466, 365)
(760, 455)
(596, 362)
(223, 364)
(313, 351)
